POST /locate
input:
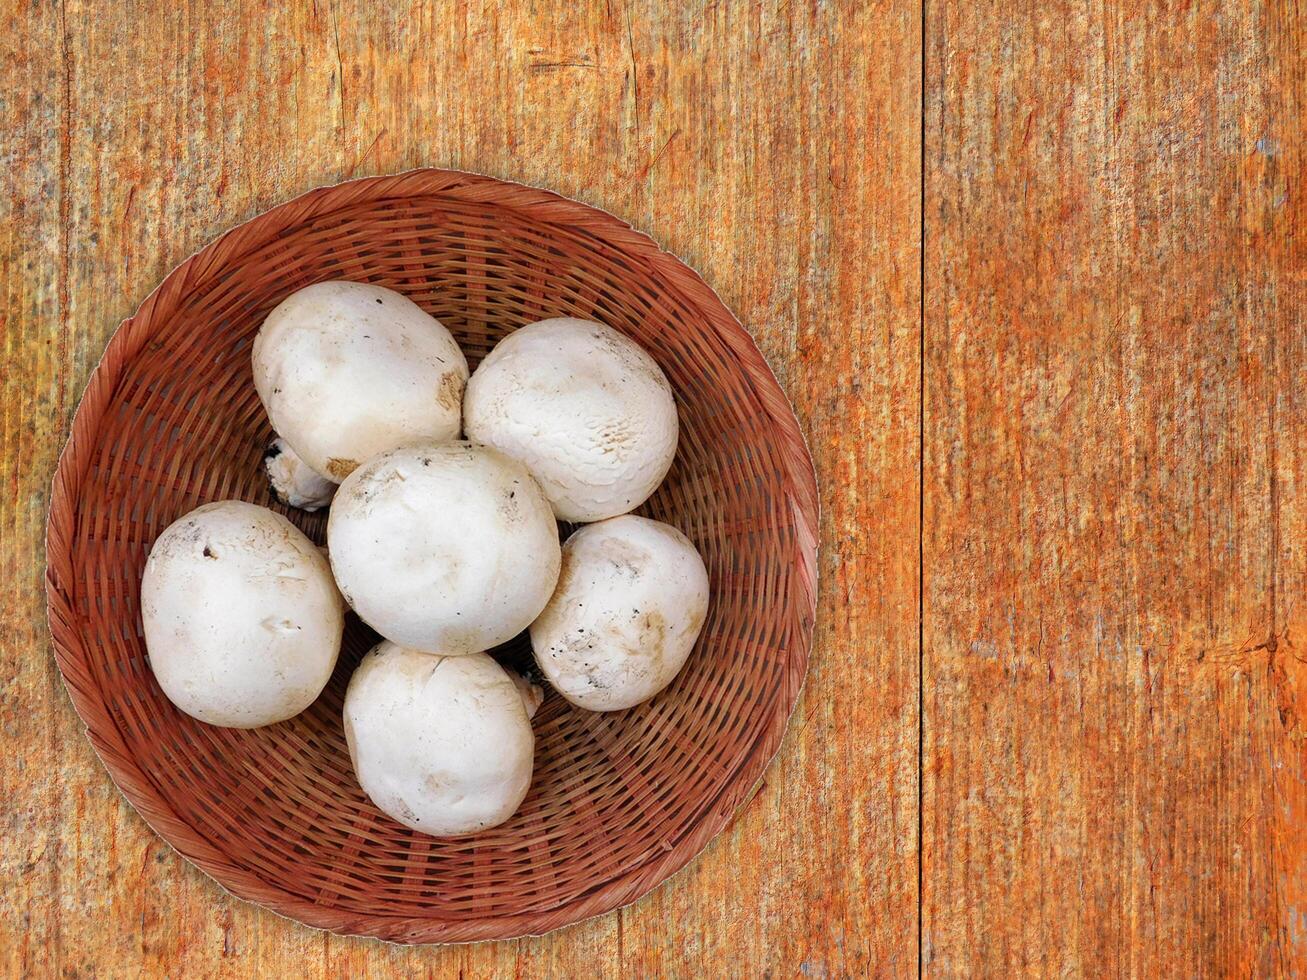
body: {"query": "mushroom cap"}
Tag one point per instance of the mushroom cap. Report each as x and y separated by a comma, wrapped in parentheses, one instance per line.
(347, 370)
(449, 548)
(586, 409)
(442, 744)
(242, 619)
(631, 600)
(293, 481)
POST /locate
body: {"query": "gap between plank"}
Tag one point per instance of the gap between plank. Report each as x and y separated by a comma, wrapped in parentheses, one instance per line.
(921, 508)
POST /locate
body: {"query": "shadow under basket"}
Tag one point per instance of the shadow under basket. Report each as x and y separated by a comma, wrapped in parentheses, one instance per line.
(619, 802)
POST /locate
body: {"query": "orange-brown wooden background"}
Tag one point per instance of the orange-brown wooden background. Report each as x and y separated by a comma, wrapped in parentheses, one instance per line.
(1035, 277)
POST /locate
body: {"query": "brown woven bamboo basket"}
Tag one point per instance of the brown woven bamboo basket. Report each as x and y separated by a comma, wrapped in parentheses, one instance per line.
(620, 801)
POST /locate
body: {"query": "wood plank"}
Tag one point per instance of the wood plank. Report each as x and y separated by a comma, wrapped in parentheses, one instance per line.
(1114, 435)
(1277, 222)
(804, 212)
(733, 134)
(32, 396)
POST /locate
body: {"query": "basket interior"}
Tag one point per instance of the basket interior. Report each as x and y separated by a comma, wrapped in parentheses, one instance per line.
(612, 792)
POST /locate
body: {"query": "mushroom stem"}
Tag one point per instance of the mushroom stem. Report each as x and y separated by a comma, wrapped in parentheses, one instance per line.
(293, 481)
(533, 695)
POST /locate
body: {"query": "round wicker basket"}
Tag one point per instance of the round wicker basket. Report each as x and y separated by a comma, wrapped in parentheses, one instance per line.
(620, 801)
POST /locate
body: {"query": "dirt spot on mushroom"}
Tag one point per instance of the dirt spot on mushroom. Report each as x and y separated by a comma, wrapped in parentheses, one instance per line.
(697, 616)
(509, 508)
(623, 564)
(449, 392)
(338, 468)
(617, 435)
(418, 669)
(460, 640)
(653, 634)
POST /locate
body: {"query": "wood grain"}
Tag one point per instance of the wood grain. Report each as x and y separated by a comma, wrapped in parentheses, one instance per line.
(1114, 432)
(735, 133)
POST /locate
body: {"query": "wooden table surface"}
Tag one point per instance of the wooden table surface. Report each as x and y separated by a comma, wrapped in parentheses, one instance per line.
(1035, 277)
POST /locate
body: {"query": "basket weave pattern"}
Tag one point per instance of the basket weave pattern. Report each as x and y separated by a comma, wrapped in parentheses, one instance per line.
(620, 801)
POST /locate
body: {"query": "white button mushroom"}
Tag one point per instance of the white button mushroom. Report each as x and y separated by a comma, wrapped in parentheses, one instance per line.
(293, 481)
(242, 619)
(442, 744)
(347, 370)
(631, 600)
(449, 548)
(586, 409)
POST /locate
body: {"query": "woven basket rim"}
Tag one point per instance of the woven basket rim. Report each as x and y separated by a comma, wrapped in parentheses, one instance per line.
(540, 206)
